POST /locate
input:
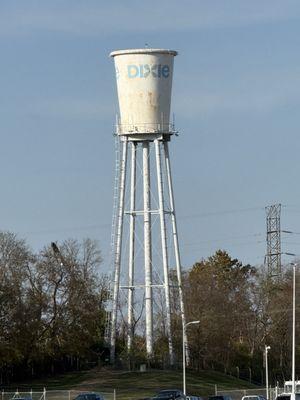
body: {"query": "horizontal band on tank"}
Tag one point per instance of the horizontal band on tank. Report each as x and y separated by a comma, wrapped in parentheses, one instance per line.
(147, 137)
(143, 51)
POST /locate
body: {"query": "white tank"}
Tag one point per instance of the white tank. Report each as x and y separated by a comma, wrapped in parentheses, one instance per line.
(144, 83)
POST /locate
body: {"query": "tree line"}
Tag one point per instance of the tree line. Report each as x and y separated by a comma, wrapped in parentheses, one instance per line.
(241, 309)
(52, 314)
(52, 307)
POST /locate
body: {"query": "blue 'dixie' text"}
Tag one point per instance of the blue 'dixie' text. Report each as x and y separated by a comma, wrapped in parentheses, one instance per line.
(145, 70)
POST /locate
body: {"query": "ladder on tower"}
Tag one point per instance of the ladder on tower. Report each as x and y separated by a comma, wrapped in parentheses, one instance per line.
(107, 326)
(115, 200)
(112, 239)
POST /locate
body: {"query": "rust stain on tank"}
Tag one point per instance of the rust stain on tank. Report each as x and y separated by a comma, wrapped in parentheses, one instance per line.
(152, 100)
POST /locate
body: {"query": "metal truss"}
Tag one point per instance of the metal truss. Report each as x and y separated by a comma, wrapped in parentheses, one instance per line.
(273, 256)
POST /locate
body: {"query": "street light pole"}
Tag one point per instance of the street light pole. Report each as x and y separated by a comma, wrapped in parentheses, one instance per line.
(184, 326)
(294, 331)
(267, 373)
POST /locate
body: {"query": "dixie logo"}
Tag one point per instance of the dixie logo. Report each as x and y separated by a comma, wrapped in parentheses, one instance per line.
(145, 70)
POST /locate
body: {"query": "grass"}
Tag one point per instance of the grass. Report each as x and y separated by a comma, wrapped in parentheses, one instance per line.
(138, 385)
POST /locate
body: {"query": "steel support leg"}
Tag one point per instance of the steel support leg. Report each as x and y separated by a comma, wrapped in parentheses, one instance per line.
(118, 251)
(176, 246)
(131, 248)
(164, 248)
(147, 251)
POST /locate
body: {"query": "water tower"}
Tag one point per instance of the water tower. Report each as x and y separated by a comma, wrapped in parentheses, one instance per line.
(145, 205)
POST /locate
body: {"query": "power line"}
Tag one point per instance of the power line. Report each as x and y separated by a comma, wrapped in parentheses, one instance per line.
(108, 225)
(221, 239)
(228, 244)
(217, 213)
(67, 229)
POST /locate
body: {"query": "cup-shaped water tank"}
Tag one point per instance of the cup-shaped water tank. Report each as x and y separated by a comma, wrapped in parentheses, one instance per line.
(144, 83)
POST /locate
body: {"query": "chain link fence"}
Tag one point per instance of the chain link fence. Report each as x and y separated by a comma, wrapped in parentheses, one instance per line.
(50, 395)
(239, 393)
(235, 394)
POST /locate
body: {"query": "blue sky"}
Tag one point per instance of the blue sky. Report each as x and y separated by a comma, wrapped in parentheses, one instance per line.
(236, 98)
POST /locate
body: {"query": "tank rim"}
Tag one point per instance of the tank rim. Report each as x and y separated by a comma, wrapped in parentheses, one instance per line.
(143, 51)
